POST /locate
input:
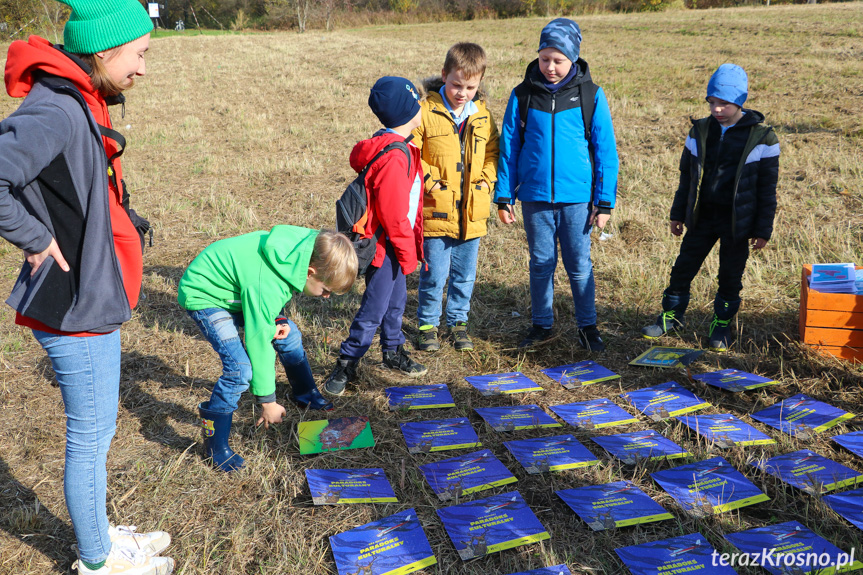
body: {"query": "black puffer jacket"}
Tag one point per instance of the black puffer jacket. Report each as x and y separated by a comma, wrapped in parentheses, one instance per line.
(753, 204)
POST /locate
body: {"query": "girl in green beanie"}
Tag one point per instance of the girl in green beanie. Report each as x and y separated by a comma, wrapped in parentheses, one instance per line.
(83, 254)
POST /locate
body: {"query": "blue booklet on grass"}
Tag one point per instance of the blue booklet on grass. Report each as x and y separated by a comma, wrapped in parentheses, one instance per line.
(664, 400)
(394, 544)
(733, 380)
(477, 528)
(503, 383)
(632, 447)
(551, 453)
(678, 555)
(725, 430)
(802, 416)
(792, 548)
(853, 442)
(660, 356)
(709, 487)
(809, 471)
(513, 417)
(617, 504)
(553, 570)
(340, 486)
(593, 414)
(848, 504)
(575, 375)
(419, 397)
(452, 478)
(439, 435)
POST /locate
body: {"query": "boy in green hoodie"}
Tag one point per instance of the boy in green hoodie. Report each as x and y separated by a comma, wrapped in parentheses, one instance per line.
(246, 281)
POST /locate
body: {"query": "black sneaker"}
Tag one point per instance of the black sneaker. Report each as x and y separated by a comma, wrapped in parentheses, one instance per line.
(344, 372)
(400, 359)
(427, 339)
(535, 336)
(719, 335)
(590, 339)
(460, 339)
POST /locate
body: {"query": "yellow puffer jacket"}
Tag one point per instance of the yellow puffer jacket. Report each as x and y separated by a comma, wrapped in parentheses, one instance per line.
(460, 207)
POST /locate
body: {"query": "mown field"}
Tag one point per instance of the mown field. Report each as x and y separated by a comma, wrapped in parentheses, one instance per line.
(234, 133)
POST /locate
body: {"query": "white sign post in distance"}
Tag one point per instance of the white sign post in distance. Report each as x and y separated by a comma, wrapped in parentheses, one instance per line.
(153, 9)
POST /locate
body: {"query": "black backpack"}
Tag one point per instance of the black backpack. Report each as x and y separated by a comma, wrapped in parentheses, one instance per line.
(352, 211)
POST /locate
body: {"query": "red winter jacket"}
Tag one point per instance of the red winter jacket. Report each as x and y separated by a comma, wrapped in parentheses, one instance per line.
(389, 184)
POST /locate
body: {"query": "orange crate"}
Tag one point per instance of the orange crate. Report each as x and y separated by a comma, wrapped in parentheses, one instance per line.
(831, 322)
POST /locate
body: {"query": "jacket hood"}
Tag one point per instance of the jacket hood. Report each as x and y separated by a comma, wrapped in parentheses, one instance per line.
(288, 251)
(535, 77)
(365, 150)
(26, 60)
(433, 84)
(750, 118)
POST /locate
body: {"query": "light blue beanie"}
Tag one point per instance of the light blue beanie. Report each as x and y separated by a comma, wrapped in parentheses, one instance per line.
(729, 83)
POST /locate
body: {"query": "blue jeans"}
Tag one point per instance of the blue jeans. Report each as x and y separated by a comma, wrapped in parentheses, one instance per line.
(547, 224)
(447, 258)
(88, 371)
(221, 328)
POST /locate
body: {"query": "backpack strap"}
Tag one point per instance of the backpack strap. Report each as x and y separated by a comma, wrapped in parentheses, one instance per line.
(522, 96)
(587, 96)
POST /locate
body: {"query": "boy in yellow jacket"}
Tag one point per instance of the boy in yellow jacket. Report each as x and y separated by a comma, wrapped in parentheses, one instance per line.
(458, 139)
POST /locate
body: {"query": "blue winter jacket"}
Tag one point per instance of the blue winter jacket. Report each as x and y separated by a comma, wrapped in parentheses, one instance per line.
(553, 163)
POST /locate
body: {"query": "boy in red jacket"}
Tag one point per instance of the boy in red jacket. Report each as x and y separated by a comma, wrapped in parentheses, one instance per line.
(394, 185)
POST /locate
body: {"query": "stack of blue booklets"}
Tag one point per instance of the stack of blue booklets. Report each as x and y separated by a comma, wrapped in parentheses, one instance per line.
(640, 445)
(709, 487)
(394, 544)
(802, 416)
(553, 570)
(664, 400)
(791, 547)
(478, 528)
(502, 383)
(341, 486)
(724, 430)
(833, 278)
(617, 504)
(684, 554)
(458, 476)
(848, 504)
(419, 397)
(809, 471)
(593, 414)
(733, 380)
(576, 375)
(551, 453)
(439, 435)
(511, 418)
(853, 442)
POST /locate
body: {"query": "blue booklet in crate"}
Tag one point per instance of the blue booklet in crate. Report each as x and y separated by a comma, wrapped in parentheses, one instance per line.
(502, 383)
(809, 471)
(848, 504)
(419, 397)
(790, 548)
(709, 487)
(679, 555)
(458, 476)
(553, 570)
(484, 526)
(853, 442)
(631, 447)
(611, 505)
(394, 544)
(664, 400)
(575, 375)
(551, 453)
(593, 414)
(439, 435)
(802, 416)
(340, 486)
(733, 380)
(725, 430)
(513, 417)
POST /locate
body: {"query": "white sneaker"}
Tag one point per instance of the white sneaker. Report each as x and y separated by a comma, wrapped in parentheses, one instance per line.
(126, 562)
(150, 544)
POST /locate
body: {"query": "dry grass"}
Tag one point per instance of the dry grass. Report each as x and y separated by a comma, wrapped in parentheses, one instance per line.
(230, 134)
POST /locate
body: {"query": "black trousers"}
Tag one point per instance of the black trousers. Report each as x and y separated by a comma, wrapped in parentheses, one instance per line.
(714, 224)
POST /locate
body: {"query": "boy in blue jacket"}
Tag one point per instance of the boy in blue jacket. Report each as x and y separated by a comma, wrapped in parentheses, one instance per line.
(559, 157)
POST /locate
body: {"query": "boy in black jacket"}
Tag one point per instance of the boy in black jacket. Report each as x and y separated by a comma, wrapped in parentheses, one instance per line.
(727, 192)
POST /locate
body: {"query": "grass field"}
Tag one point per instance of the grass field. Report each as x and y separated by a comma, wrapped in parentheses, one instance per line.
(230, 134)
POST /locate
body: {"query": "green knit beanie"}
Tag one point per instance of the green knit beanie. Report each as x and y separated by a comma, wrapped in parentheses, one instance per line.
(98, 25)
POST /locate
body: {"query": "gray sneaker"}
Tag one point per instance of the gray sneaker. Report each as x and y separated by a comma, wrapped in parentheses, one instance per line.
(460, 339)
(428, 338)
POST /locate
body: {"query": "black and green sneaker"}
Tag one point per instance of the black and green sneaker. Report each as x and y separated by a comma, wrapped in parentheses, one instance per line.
(427, 339)
(719, 335)
(460, 339)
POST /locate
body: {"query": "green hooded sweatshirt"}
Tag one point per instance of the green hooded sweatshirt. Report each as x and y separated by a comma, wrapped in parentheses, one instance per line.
(254, 274)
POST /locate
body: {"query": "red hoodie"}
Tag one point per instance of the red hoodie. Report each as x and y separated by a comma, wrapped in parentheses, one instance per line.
(389, 185)
(37, 54)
